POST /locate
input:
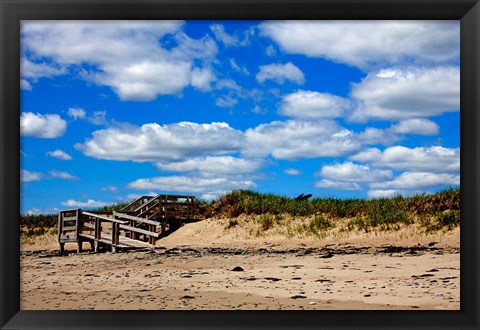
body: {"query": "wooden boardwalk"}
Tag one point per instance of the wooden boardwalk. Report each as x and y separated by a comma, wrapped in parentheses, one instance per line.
(138, 225)
(123, 242)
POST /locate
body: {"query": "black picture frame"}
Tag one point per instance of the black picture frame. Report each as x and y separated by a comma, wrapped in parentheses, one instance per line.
(13, 11)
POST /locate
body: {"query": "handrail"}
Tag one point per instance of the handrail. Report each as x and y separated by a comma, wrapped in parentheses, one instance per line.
(67, 211)
(153, 199)
(129, 223)
(162, 197)
(105, 218)
(139, 230)
(136, 201)
(137, 219)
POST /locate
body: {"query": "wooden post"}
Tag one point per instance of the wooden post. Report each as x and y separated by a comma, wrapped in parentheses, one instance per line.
(80, 242)
(117, 233)
(151, 239)
(77, 224)
(98, 228)
(132, 234)
(164, 227)
(115, 236)
(62, 248)
(60, 227)
(77, 230)
(97, 234)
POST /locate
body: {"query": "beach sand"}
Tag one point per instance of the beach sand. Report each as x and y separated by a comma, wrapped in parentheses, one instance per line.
(195, 268)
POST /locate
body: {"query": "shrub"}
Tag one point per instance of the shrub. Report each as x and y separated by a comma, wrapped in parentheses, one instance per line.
(231, 223)
(38, 220)
(266, 221)
(316, 225)
(449, 219)
(320, 222)
(359, 223)
(385, 212)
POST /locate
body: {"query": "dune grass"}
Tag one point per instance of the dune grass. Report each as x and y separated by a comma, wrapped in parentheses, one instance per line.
(433, 211)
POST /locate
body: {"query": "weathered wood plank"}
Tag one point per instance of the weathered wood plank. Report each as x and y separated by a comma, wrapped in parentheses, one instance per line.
(67, 238)
(173, 213)
(176, 204)
(77, 227)
(59, 227)
(124, 242)
(148, 204)
(137, 219)
(175, 197)
(68, 211)
(140, 231)
(139, 201)
(89, 225)
(104, 218)
(74, 218)
(103, 240)
(69, 228)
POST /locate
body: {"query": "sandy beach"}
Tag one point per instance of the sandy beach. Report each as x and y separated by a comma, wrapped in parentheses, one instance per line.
(194, 270)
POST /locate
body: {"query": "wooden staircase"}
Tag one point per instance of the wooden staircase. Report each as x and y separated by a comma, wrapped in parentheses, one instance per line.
(137, 225)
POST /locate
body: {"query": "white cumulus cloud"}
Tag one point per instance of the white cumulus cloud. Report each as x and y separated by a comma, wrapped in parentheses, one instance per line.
(213, 165)
(143, 81)
(202, 79)
(28, 176)
(312, 105)
(416, 126)
(407, 94)
(76, 113)
(279, 73)
(87, 204)
(60, 154)
(48, 126)
(238, 68)
(230, 40)
(385, 193)
(162, 143)
(337, 185)
(125, 55)
(25, 85)
(294, 139)
(111, 189)
(368, 44)
(191, 185)
(62, 175)
(292, 171)
(226, 101)
(34, 71)
(351, 172)
(372, 135)
(424, 159)
(418, 181)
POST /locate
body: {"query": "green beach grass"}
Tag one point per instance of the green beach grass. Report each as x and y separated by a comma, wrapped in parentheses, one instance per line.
(433, 212)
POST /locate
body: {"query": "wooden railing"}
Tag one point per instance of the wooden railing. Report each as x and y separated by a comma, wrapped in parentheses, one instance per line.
(141, 221)
(68, 230)
(133, 230)
(77, 226)
(136, 203)
(92, 229)
(164, 207)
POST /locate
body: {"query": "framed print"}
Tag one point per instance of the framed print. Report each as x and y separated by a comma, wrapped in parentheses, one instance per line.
(240, 164)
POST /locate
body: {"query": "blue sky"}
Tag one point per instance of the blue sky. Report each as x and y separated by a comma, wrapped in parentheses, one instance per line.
(114, 110)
